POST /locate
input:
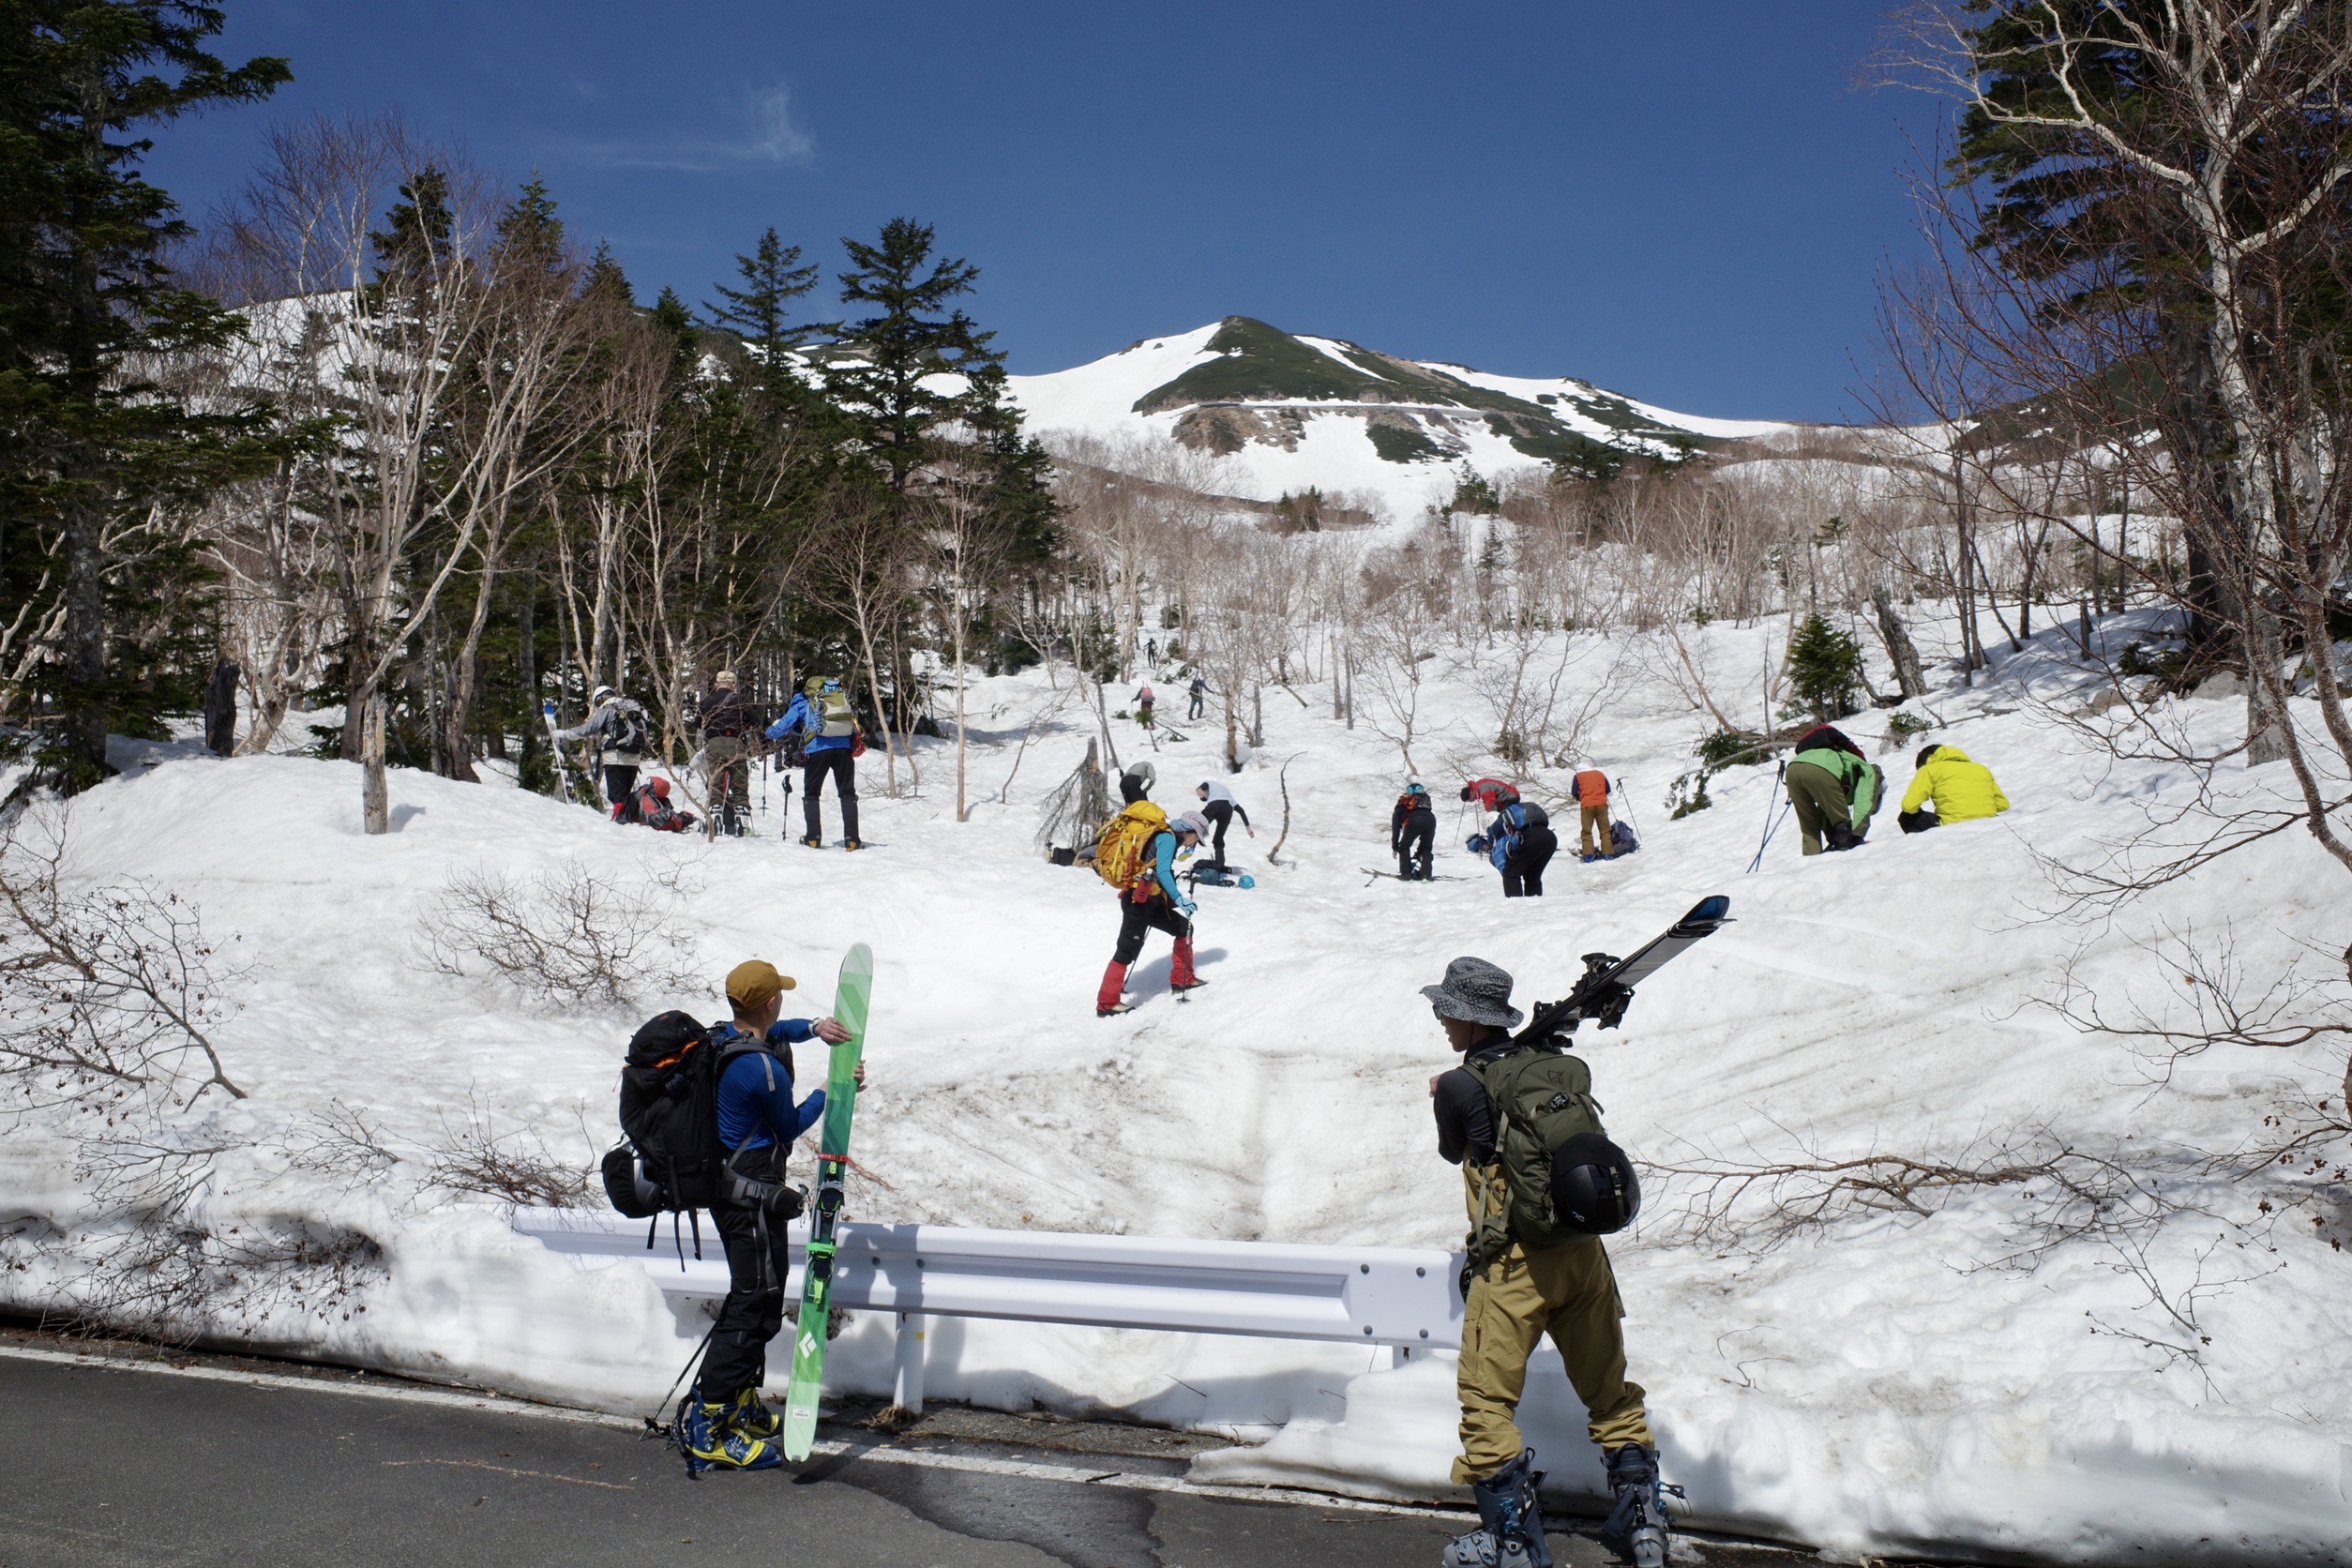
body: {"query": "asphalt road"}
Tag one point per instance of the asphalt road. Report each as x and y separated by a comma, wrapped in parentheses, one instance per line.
(117, 1465)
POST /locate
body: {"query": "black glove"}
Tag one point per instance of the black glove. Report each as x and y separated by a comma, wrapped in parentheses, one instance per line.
(1469, 1274)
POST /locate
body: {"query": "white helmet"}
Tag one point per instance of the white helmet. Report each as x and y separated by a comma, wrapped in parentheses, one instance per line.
(600, 693)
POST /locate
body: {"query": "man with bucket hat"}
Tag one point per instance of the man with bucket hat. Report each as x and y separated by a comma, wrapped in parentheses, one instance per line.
(1543, 1183)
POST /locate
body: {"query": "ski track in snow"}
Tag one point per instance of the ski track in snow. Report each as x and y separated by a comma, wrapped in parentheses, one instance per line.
(1871, 1389)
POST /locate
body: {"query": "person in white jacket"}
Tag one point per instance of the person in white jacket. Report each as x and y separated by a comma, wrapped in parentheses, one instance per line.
(1220, 807)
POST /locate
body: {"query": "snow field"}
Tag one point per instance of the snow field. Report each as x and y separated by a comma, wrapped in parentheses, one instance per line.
(1881, 1386)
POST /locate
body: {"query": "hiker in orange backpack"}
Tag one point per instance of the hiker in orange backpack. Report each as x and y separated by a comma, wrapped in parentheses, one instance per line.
(1593, 810)
(1137, 854)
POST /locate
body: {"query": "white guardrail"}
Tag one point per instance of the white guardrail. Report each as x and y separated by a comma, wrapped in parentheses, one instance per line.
(1400, 1297)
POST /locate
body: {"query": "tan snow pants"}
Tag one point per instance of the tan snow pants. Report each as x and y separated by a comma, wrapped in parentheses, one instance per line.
(1570, 1293)
(1592, 816)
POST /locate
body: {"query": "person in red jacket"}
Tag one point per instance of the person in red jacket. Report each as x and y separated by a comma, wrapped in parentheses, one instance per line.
(1593, 810)
(1492, 794)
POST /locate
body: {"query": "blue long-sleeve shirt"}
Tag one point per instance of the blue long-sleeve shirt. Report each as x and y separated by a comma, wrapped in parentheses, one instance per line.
(1163, 865)
(755, 1092)
(805, 715)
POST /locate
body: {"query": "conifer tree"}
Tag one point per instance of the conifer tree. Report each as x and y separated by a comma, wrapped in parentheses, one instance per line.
(772, 277)
(884, 381)
(84, 290)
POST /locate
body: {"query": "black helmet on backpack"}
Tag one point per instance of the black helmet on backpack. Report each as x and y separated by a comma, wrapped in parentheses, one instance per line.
(1594, 1189)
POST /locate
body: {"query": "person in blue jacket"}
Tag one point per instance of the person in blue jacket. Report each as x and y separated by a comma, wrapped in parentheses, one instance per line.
(1521, 843)
(1155, 902)
(725, 1424)
(822, 713)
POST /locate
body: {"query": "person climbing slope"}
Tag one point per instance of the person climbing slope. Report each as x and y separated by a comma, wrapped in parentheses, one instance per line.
(1135, 783)
(616, 725)
(1137, 854)
(822, 715)
(1198, 691)
(1143, 701)
(1520, 842)
(1834, 789)
(1949, 788)
(1412, 832)
(1593, 810)
(1220, 808)
(726, 719)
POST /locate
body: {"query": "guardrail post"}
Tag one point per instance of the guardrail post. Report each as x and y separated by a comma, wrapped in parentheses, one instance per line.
(906, 1362)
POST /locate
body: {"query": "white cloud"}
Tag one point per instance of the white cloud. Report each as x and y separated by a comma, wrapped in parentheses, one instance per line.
(764, 132)
(780, 138)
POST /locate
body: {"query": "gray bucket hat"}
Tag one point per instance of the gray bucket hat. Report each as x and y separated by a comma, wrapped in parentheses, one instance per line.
(1476, 991)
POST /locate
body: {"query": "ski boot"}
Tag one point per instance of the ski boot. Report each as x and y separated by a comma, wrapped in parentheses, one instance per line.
(852, 844)
(1114, 1009)
(749, 1416)
(812, 840)
(707, 1440)
(1637, 1528)
(1510, 1534)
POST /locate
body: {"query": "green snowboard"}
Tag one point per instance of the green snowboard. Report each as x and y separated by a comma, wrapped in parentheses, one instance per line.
(853, 993)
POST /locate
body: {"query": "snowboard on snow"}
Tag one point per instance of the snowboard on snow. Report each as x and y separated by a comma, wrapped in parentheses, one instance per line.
(852, 995)
(1393, 877)
(1608, 981)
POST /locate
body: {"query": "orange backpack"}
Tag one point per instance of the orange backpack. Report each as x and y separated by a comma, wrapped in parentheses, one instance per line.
(1123, 853)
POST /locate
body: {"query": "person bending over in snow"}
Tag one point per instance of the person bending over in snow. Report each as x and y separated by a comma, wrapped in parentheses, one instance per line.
(1521, 843)
(1833, 788)
(1135, 783)
(1137, 854)
(1492, 794)
(822, 714)
(1412, 832)
(1949, 788)
(1220, 809)
(726, 1424)
(1541, 1194)
(651, 806)
(616, 724)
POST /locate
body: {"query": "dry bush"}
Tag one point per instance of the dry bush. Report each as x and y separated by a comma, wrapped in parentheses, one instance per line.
(564, 934)
(514, 1165)
(109, 993)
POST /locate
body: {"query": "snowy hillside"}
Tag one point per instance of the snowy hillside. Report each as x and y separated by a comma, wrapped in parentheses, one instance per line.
(1962, 1378)
(1287, 413)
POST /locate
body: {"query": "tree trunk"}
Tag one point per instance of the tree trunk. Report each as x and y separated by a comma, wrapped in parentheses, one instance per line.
(1910, 678)
(374, 804)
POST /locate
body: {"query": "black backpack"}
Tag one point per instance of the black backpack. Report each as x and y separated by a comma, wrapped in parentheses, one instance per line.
(628, 733)
(668, 1119)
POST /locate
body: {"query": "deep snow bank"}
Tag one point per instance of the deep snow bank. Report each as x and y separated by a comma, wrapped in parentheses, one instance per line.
(1884, 1385)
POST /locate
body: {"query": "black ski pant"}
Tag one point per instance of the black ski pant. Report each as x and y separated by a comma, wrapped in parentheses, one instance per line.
(619, 787)
(759, 1253)
(1135, 920)
(1220, 815)
(1523, 868)
(1916, 821)
(1194, 712)
(1414, 845)
(839, 766)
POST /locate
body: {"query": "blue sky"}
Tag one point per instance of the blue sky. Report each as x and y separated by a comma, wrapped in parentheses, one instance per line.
(1685, 200)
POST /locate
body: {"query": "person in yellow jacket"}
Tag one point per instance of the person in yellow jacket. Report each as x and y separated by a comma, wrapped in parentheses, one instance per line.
(1949, 788)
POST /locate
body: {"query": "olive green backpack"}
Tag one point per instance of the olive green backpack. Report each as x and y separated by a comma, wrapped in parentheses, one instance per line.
(1542, 1097)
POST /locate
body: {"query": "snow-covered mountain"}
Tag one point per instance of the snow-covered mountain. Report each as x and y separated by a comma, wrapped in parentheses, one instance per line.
(1286, 411)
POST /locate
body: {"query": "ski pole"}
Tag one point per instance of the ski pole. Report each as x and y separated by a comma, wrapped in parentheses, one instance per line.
(1775, 807)
(1629, 808)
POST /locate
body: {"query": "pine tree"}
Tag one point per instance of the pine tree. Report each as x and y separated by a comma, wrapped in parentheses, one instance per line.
(884, 381)
(606, 284)
(772, 277)
(85, 292)
(1825, 666)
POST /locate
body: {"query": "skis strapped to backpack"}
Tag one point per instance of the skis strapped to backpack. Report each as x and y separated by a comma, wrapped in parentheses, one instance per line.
(852, 994)
(1609, 982)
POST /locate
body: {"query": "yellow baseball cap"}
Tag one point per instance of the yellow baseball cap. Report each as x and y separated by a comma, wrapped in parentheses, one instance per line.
(754, 983)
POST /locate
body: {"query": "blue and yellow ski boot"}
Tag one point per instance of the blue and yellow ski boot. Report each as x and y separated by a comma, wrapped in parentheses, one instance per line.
(707, 1439)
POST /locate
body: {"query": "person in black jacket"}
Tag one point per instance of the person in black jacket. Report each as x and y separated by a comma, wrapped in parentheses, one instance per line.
(1412, 832)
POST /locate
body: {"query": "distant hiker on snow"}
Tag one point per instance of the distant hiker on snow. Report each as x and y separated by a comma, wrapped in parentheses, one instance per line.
(650, 804)
(1143, 709)
(616, 726)
(1592, 811)
(822, 715)
(1220, 809)
(220, 708)
(727, 1425)
(1543, 1185)
(727, 721)
(1520, 842)
(1833, 788)
(1199, 691)
(1949, 788)
(1137, 854)
(1135, 783)
(1412, 832)
(1492, 794)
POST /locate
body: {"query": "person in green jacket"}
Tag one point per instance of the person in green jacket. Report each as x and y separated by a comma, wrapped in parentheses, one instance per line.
(1833, 788)
(1949, 788)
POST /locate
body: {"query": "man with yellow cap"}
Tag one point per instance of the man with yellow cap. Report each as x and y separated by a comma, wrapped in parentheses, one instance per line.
(726, 1425)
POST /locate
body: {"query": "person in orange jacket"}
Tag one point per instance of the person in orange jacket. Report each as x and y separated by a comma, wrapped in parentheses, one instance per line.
(1592, 810)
